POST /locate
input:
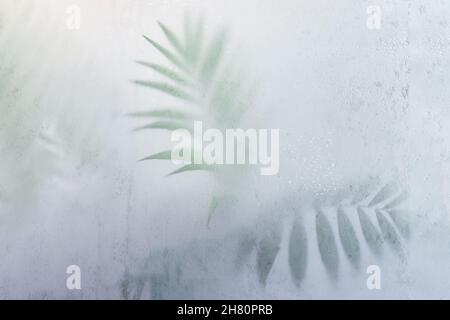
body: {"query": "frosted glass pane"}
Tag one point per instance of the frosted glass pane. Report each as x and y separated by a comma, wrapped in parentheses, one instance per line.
(351, 203)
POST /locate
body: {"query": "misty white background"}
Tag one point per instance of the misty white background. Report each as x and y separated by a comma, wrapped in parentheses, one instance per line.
(350, 103)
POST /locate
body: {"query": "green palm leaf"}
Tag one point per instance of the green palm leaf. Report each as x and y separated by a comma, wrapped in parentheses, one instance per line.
(166, 88)
(267, 252)
(205, 84)
(212, 57)
(197, 78)
(173, 39)
(164, 113)
(298, 251)
(192, 167)
(349, 240)
(193, 38)
(327, 244)
(166, 53)
(166, 125)
(168, 73)
(378, 227)
(163, 155)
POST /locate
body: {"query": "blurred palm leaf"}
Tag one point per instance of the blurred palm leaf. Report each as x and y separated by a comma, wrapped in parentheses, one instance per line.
(336, 232)
(346, 229)
(29, 144)
(205, 86)
(202, 82)
(41, 123)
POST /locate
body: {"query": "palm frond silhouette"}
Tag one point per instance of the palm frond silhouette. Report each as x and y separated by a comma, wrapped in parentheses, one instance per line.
(206, 86)
(203, 79)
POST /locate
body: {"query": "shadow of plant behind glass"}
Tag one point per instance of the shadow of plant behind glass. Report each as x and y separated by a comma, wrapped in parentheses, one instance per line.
(207, 85)
(205, 82)
(29, 146)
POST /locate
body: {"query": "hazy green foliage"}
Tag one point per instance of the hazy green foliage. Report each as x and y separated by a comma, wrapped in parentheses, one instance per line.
(205, 86)
(202, 79)
(380, 223)
(28, 144)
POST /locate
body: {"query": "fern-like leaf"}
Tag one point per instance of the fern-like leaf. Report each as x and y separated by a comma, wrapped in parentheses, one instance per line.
(327, 244)
(166, 125)
(348, 237)
(267, 251)
(298, 251)
(193, 167)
